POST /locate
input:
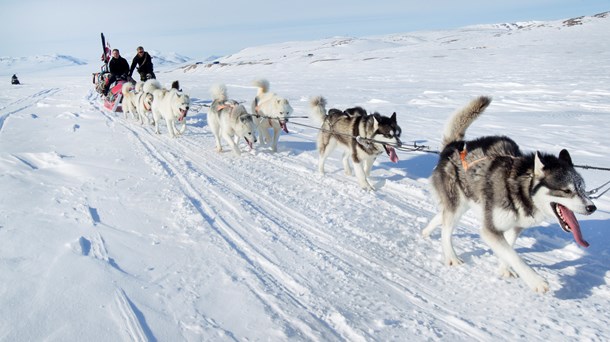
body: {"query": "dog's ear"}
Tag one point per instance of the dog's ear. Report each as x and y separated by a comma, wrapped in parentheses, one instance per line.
(565, 156)
(538, 166)
(375, 123)
(393, 117)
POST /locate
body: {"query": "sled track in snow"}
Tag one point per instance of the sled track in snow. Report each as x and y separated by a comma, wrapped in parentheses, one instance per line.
(185, 159)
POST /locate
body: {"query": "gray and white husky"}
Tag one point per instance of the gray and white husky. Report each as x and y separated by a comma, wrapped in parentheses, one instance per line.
(229, 120)
(363, 137)
(513, 190)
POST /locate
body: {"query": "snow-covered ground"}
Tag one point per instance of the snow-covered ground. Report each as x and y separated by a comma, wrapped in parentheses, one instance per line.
(110, 232)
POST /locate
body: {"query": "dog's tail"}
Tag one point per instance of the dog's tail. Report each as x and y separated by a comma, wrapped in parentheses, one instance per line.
(262, 85)
(318, 109)
(218, 92)
(455, 129)
(151, 85)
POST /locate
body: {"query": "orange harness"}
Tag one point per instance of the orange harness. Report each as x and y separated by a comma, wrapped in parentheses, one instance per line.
(223, 106)
(466, 164)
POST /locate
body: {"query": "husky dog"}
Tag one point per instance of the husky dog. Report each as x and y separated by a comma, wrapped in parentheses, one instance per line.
(230, 120)
(362, 136)
(144, 98)
(272, 111)
(170, 105)
(129, 100)
(513, 190)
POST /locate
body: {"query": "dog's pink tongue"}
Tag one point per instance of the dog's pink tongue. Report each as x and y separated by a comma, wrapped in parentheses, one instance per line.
(284, 127)
(392, 154)
(570, 219)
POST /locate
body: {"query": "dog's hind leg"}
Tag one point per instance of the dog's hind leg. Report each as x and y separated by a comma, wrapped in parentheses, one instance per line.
(505, 252)
(449, 219)
(325, 147)
(434, 222)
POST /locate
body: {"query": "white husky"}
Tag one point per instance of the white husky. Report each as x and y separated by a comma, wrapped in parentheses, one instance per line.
(171, 105)
(230, 120)
(272, 111)
(129, 100)
(144, 98)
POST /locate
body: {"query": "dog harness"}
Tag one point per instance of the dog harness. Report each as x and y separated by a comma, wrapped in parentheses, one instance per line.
(466, 164)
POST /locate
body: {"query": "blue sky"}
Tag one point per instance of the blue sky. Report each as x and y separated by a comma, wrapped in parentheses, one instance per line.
(198, 29)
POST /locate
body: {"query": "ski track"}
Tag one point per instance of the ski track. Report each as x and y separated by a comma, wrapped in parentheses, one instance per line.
(24, 103)
(267, 235)
(189, 160)
(131, 323)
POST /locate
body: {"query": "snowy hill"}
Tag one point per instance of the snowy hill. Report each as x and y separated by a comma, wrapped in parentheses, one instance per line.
(111, 232)
(12, 65)
(161, 59)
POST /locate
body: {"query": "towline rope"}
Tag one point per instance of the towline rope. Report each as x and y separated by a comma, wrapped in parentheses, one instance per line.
(405, 148)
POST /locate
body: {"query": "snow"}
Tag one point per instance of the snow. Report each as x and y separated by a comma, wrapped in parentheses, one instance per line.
(110, 232)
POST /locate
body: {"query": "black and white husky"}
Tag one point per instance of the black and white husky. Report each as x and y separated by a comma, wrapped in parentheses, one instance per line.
(229, 120)
(362, 136)
(513, 190)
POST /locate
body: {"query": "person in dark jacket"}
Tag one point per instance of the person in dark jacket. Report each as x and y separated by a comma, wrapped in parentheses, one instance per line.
(145, 65)
(118, 68)
(14, 79)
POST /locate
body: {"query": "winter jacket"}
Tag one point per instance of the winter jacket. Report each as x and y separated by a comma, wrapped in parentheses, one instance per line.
(144, 62)
(118, 66)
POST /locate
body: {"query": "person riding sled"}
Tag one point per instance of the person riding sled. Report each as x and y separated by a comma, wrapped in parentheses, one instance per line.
(145, 65)
(118, 68)
(14, 79)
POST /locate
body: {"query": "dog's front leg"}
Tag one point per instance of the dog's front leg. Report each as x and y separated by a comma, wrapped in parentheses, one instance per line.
(360, 174)
(346, 168)
(231, 141)
(170, 127)
(508, 255)
(276, 137)
(510, 236)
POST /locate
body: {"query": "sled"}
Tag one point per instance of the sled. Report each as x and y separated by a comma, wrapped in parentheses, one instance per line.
(112, 101)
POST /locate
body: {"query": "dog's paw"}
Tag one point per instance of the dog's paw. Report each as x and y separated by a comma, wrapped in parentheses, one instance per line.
(538, 284)
(455, 261)
(506, 272)
(541, 287)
